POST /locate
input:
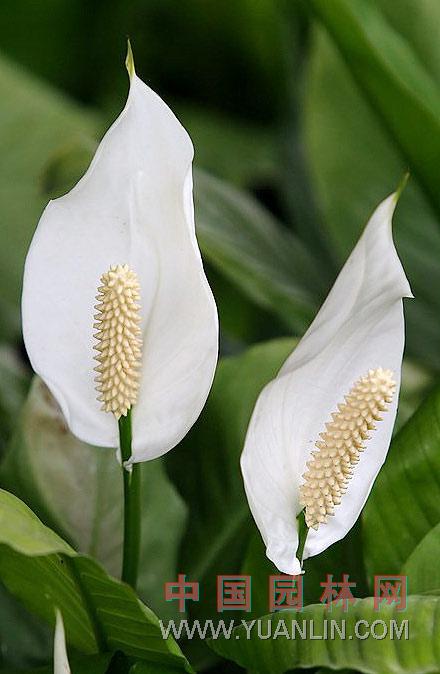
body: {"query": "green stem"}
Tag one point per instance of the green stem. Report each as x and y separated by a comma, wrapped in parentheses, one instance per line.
(132, 506)
(303, 530)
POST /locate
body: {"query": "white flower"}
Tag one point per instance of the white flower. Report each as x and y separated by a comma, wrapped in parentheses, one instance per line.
(317, 397)
(132, 210)
(60, 661)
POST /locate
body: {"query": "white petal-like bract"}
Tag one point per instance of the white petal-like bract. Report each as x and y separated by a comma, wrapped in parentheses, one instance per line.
(60, 661)
(133, 206)
(360, 327)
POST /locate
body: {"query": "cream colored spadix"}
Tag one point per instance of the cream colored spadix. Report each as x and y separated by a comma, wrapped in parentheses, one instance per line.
(345, 437)
(134, 207)
(119, 344)
(359, 330)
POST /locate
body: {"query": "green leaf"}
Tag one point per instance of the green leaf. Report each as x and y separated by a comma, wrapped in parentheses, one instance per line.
(404, 504)
(23, 531)
(233, 150)
(414, 655)
(424, 575)
(99, 612)
(416, 383)
(13, 386)
(250, 248)
(395, 82)
(25, 640)
(354, 166)
(77, 490)
(207, 473)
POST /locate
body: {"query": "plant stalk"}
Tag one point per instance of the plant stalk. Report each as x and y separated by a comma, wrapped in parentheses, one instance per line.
(303, 530)
(132, 506)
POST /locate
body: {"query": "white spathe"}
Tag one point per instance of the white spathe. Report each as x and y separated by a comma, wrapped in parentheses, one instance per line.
(60, 660)
(134, 205)
(359, 327)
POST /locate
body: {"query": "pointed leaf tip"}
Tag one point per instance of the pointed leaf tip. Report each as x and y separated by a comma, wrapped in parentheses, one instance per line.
(129, 60)
(401, 186)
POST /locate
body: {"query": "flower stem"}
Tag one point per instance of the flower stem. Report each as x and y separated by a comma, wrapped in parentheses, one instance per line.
(132, 506)
(303, 530)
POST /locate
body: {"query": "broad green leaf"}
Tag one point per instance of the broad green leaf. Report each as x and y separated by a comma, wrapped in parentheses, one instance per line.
(100, 613)
(388, 655)
(415, 21)
(421, 566)
(416, 383)
(402, 92)
(23, 531)
(241, 153)
(207, 473)
(13, 386)
(354, 166)
(25, 640)
(77, 490)
(404, 504)
(265, 261)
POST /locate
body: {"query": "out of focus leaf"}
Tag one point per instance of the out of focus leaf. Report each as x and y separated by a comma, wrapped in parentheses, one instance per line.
(99, 612)
(394, 81)
(206, 469)
(413, 655)
(77, 489)
(354, 166)
(248, 245)
(404, 504)
(13, 386)
(421, 568)
(414, 21)
(25, 641)
(416, 383)
(242, 154)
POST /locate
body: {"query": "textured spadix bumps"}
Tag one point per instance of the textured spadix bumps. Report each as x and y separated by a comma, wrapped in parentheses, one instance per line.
(358, 329)
(119, 344)
(134, 206)
(339, 449)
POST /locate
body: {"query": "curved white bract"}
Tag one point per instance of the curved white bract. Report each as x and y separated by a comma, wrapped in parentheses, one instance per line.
(359, 328)
(134, 207)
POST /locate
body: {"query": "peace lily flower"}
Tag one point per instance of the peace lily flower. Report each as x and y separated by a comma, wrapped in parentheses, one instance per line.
(117, 311)
(320, 431)
(60, 661)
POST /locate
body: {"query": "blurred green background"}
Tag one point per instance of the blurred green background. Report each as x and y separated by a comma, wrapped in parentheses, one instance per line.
(304, 116)
(273, 111)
